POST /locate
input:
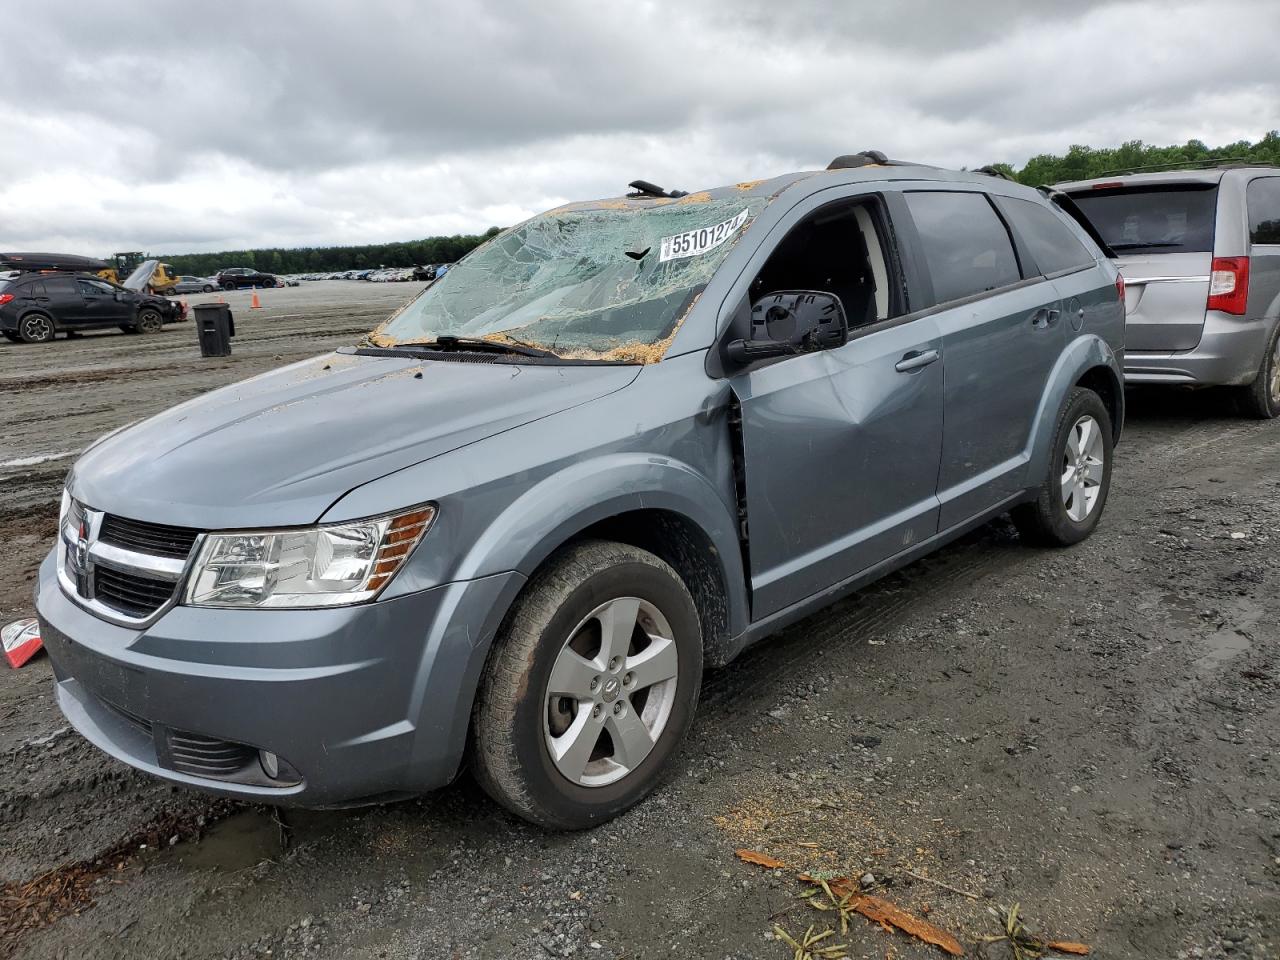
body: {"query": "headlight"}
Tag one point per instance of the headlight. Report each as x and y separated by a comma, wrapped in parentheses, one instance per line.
(323, 566)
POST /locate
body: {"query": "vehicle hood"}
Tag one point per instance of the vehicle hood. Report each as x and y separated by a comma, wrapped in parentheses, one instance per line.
(141, 276)
(279, 449)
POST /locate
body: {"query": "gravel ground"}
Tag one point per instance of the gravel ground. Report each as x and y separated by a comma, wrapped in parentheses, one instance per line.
(1091, 733)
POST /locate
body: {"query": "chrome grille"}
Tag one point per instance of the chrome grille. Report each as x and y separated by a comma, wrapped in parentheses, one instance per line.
(126, 571)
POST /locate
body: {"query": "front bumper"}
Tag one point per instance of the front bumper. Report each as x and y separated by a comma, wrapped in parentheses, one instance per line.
(1229, 352)
(363, 702)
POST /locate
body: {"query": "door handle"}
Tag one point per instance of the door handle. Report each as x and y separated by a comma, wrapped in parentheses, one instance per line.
(1045, 317)
(915, 360)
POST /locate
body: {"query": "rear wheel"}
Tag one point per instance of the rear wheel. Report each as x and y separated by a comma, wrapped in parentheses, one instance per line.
(35, 328)
(168, 292)
(590, 687)
(207, 288)
(1261, 398)
(149, 321)
(1079, 476)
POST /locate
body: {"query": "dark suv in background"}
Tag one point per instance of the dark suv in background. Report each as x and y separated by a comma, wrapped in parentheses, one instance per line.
(36, 306)
(236, 278)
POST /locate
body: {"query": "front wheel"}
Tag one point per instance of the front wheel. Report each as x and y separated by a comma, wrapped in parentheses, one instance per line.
(1261, 399)
(149, 321)
(1074, 493)
(207, 288)
(591, 686)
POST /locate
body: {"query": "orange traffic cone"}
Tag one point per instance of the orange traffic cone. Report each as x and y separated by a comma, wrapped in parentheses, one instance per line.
(254, 304)
(220, 300)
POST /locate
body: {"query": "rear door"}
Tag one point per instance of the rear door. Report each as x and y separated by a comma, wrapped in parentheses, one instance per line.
(1002, 332)
(1162, 235)
(63, 301)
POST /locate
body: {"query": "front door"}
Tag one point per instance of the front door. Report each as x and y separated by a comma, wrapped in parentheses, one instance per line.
(841, 455)
(100, 304)
(840, 447)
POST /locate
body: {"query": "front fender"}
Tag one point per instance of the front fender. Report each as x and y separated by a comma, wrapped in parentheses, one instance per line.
(1082, 355)
(570, 500)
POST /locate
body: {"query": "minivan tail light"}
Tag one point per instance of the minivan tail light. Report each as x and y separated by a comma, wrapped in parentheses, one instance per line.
(1229, 285)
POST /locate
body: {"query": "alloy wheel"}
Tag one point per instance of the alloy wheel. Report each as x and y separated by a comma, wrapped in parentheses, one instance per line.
(1083, 466)
(37, 329)
(610, 692)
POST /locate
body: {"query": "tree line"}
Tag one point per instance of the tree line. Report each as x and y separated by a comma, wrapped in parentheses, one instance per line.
(1078, 163)
(330, 259)
(1083, 163)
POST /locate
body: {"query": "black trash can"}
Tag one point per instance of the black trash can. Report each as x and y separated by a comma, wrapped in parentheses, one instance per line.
(215, 327)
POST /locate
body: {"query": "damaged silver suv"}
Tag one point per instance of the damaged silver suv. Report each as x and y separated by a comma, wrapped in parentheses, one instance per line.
(615, 445)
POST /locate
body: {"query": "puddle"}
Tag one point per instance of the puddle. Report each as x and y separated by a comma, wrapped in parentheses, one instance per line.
(236, 843)
(1224, 645)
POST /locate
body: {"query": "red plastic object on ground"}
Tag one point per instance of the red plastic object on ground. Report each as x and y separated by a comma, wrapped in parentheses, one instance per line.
(21, 641)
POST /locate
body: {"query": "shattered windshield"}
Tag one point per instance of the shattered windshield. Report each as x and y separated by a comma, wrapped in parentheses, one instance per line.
(606, 281)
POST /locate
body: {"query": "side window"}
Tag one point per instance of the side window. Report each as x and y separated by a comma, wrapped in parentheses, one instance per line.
(841, 249)
(966, 246)
(60, 287)
(1050, 242)
(1263, 198)
(91, 288)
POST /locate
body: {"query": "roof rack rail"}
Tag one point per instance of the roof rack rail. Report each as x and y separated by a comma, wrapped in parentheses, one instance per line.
(994, 171)
(643, 188)
(1185, 165)
(848, 161)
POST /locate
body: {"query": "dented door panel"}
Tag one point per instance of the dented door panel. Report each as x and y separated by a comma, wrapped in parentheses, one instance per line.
(841, 455)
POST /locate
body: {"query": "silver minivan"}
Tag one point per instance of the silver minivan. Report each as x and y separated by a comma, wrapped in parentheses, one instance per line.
(1200, 254)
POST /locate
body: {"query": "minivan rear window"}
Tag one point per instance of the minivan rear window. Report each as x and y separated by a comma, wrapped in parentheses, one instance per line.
(1169, 218)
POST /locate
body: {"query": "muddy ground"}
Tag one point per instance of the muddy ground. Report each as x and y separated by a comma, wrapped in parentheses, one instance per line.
(1092, 734)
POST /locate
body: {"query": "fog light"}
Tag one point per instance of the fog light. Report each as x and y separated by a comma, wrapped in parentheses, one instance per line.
(270, 763)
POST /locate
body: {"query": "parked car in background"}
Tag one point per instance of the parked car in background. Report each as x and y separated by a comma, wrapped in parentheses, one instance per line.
(237, 278)
(1200, 255)
(188, 284)
(287, 282)
(36, 306)
(760, 400)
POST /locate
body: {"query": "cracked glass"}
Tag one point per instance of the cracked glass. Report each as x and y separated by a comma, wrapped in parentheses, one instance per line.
(608, 281)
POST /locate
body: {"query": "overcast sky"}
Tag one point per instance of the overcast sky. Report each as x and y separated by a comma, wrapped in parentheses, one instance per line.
(171, 127)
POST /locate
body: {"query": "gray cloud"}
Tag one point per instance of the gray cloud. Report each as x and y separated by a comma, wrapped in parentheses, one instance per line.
(294, 123)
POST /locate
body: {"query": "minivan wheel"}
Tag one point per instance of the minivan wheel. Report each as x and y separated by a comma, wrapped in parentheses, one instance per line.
(590, 687)
(1261, 399)
(1074, 493)
(149, 321)
(35, 328)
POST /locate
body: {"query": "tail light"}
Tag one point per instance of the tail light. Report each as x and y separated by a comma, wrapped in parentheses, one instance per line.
(1120, 288)
(5, 298)
(1229, 285)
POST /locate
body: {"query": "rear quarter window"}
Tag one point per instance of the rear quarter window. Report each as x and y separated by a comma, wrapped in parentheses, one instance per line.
(1052, 245)
(1167, 218)
(1263, 199)
(966, 246)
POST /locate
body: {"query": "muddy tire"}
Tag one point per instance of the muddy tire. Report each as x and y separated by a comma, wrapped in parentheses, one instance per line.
(1261, 399)
(35, 328)
(149, 321)
(590, 687)
(1074, 492)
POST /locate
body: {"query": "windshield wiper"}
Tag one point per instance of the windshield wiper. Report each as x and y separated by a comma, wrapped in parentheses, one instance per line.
(476, 345)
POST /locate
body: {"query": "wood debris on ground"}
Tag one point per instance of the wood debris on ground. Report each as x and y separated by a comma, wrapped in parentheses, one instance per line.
(1025, 945)
(760, 859)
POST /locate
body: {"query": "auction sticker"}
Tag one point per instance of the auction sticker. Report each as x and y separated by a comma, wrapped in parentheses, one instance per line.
(697, 242)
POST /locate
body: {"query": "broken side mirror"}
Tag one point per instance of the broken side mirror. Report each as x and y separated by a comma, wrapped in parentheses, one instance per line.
(790, 322)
